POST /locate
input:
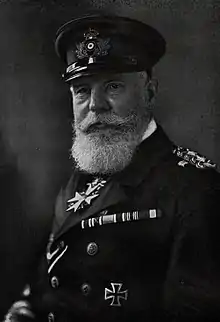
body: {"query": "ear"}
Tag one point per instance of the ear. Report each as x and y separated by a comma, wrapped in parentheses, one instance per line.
(71, 88)
(151, 88)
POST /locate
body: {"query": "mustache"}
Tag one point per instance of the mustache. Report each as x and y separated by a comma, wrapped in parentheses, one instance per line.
(111, 120)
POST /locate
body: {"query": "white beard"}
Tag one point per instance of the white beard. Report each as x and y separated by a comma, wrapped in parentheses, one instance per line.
(104, 153)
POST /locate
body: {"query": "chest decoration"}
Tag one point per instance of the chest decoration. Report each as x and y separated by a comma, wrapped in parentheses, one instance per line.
(115, 294)
(193, 158)
(84, 198)
(121, 217)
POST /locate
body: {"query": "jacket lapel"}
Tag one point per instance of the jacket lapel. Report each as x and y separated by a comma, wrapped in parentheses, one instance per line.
(61, 215)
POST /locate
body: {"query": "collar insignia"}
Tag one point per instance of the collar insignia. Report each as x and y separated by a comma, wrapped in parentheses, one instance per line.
(84, 198)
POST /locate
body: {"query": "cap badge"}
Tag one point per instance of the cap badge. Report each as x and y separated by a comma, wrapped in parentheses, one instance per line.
(93, 46)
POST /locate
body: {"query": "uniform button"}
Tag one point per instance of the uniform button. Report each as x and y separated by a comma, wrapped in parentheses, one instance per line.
(182, 282)
(54, 282)
(92, 249)
(86, 289)
(51, 317)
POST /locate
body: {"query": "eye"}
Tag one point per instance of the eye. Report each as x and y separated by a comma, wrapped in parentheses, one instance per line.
(81, 90)
(115, 87)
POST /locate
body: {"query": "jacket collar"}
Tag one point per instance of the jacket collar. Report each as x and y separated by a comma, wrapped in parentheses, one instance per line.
(149, 153)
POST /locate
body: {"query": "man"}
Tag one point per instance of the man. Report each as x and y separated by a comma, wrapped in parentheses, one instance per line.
(135, 234)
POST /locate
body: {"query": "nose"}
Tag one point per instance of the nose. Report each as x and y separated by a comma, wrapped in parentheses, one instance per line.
(98, 102)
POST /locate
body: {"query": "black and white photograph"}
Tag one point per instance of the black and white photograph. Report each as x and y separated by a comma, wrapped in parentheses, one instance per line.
(110, 160)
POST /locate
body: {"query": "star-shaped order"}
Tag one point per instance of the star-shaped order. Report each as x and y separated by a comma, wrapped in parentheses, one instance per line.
(77, 201)
(87, 196)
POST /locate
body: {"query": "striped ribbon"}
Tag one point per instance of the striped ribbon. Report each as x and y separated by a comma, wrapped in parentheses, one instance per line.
(121, 217)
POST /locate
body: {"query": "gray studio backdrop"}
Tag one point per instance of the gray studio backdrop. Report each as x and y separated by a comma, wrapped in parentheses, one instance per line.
(36, 108)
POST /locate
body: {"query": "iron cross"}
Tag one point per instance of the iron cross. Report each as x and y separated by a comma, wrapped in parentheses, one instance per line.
(115, 294)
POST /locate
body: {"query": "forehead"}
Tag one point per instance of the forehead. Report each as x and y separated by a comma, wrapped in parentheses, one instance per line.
(105, 77)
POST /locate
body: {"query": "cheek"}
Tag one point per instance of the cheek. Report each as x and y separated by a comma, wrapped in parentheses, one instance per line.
(121, 104)
(80, 110)
(126, 105)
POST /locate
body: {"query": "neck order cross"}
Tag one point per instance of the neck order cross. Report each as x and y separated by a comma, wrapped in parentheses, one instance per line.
(85, 198)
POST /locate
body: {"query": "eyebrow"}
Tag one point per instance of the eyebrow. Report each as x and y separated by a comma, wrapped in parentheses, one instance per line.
(114, 80)
(79, 84)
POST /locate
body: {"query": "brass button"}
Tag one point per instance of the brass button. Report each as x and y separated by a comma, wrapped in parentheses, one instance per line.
(51, 317)
(86, 289)
(54, 282)
(92, 249)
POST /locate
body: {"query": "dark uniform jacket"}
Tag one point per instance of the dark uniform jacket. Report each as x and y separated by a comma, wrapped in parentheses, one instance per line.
(144, 247)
